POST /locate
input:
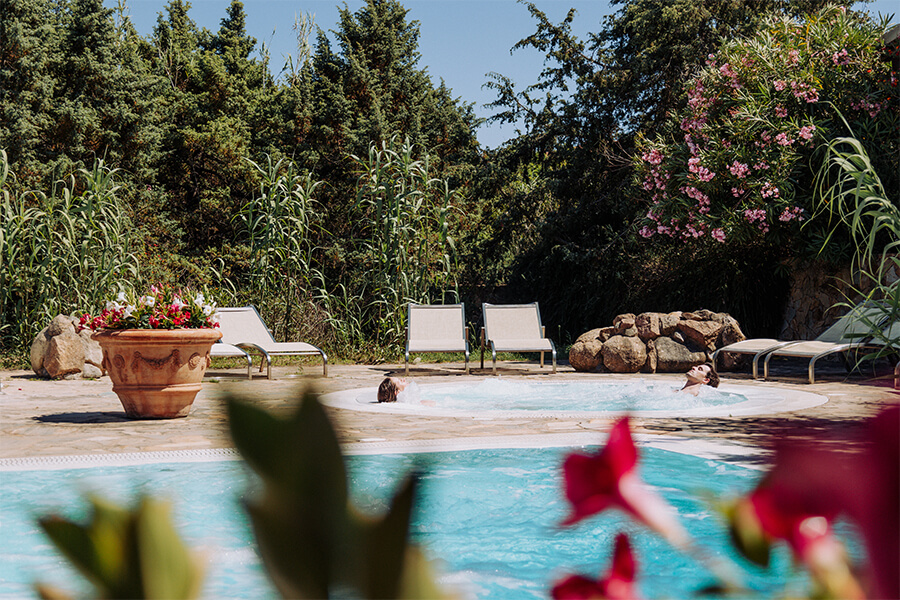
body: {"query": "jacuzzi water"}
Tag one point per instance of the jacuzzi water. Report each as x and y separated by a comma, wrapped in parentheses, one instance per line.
(501, 394)
(498, 397)
(487, 517)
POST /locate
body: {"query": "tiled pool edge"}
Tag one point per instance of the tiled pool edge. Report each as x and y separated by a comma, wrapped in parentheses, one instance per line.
(725, 451)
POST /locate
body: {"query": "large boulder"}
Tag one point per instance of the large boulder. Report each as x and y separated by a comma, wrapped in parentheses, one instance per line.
(668, 323)
(649, 325)
(59, 351)
(731, 334)
(624, 324)
(675, 357)
(624, 354)
(700, 333)
(585, 354)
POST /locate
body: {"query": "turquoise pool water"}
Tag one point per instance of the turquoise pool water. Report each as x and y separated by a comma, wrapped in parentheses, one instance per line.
(487, 516)
(619, 397)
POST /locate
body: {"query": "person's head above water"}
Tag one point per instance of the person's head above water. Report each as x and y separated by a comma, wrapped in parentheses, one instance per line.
(390, 387)
(700, 374)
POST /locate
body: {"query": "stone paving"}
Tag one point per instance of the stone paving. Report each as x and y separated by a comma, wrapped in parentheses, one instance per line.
(40, 418)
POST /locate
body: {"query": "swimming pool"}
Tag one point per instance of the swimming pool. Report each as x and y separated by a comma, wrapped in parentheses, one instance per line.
(499, 397)
(488, 517)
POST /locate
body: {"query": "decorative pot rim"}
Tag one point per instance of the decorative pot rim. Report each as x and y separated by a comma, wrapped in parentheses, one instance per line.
(164, 335)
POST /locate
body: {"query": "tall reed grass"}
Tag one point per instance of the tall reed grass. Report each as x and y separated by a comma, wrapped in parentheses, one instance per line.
(60, 252)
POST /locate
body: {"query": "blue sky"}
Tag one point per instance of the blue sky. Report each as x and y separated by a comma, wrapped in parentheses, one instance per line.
(460, 40)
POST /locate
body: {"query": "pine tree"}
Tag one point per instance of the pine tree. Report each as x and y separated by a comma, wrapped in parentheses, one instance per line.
(28, 44)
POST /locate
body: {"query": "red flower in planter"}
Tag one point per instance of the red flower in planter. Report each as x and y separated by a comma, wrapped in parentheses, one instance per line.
(609, 479)
(617, 585)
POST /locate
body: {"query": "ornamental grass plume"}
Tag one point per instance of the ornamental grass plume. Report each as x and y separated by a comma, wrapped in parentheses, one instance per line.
(164, 307)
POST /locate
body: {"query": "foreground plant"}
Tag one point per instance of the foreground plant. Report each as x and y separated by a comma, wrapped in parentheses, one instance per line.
(313, 541)
(126, 553)
(797, 502)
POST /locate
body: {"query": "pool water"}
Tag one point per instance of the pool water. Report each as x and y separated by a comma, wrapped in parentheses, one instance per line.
(619, 397)
(487, 517)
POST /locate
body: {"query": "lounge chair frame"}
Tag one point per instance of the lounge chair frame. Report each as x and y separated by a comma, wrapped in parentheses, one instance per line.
(758, 347)
(436, 328)
(222, 350)
(514, 328)
(850, 332)
(243, 327)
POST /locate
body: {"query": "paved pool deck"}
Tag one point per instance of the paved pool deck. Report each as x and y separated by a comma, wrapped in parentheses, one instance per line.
(41, 419)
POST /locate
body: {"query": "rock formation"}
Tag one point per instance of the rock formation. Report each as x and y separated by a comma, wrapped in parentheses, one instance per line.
(657, 342)
(61, 352)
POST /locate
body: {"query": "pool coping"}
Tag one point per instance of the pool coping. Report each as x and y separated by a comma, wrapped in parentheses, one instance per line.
(736, 453)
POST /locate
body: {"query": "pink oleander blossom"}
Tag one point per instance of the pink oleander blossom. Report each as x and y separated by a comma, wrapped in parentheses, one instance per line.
(739, 169)
(790, 214)
(806, 132)
(654, 156)
(646, 232)
(702, 173)
(841, 58)
(781, 111)
(609, 479)
(617, 585)
(718, 234)
(770, 191)
(737, 192)
(782, 139)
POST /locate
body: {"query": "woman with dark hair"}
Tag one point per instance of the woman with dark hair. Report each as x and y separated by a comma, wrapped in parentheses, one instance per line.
(390, 387)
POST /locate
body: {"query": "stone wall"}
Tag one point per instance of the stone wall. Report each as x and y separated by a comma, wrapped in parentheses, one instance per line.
(815, 288)
(656, 342)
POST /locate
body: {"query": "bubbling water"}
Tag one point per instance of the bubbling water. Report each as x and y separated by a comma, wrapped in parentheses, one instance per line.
(501, 394)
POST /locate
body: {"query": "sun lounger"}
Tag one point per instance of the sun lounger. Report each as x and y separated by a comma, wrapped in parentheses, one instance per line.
(222, 350)
(436, 328)
(853, 331)
(758, 347)
(514, 328)
(244, 328)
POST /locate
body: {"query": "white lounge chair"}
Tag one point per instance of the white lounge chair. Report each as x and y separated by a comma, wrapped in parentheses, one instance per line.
(436, 328)
(221, 350)
(244, 328)
(853, 331)
(758, 347)
(514, 328)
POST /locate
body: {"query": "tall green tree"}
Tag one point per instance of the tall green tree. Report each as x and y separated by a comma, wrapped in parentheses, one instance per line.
(29, 34)
(573, 156)
(103, 103)
(215, 97)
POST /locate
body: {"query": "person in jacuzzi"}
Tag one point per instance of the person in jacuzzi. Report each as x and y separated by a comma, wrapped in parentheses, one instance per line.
(699, 375)
(390, 387)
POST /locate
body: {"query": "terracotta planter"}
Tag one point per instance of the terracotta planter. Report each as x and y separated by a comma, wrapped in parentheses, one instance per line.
(156, 372)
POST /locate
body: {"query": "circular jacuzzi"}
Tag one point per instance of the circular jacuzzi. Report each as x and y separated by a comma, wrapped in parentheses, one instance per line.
(498, 397)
